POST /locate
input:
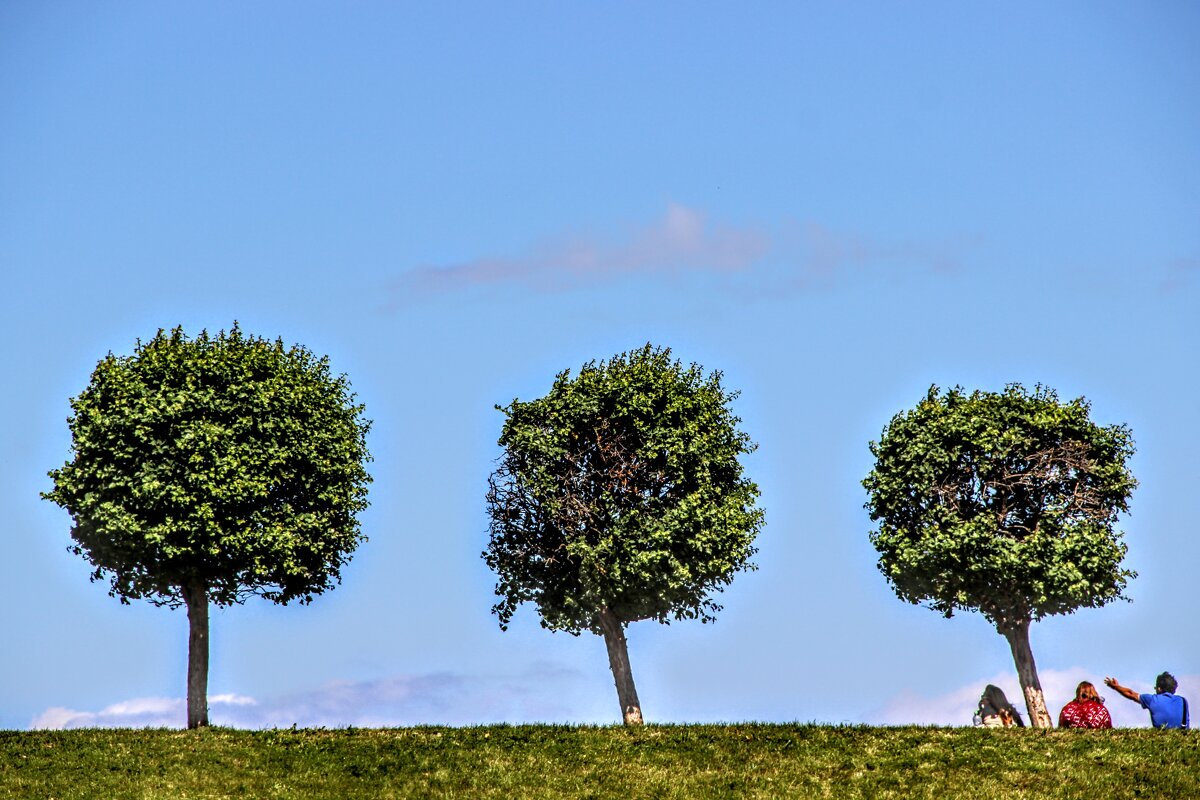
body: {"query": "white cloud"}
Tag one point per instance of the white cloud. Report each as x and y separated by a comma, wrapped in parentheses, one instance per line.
(793, 256)
(141, 712)
(436, 699)
(543, 693)
(956, 706)
(683, 240)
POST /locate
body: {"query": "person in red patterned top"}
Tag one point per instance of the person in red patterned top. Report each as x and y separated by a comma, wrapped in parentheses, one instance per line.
(1086, 710)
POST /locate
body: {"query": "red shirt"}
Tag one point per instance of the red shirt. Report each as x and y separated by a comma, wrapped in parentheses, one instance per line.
(1088, 714)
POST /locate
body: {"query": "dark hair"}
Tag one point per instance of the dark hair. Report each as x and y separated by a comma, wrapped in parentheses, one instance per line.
(994, 696)
(1165, 683)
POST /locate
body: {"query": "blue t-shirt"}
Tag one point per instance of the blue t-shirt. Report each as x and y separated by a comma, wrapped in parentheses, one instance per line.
(1166, 709)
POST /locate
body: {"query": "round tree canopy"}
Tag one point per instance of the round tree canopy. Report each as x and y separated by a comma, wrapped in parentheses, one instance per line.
(621, 489)
(226, 462)
(1001, 502)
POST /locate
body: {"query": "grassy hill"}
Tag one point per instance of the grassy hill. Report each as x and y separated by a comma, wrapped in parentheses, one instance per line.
(745, 760)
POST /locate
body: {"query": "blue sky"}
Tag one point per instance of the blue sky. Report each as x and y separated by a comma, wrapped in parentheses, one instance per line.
(837, 205)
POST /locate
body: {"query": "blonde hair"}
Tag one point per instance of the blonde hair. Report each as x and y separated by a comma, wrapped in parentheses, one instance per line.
(1085, 692)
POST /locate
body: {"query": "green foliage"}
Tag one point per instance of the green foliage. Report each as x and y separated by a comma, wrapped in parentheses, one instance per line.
(1002, 502)
(689, 761)
(224, 461)
(621, 489)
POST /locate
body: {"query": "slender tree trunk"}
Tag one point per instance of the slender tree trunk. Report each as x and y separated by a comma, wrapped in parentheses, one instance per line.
(618, 660)
(196, 598)
(1035, 701)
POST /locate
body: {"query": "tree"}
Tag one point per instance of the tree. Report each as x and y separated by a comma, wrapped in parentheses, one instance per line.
(210, 469)
(1003, 503)
(619, 497)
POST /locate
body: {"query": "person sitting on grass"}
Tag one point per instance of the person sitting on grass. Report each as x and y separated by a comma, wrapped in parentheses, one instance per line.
(1086, 710)
(1167, 709)
(995, 711)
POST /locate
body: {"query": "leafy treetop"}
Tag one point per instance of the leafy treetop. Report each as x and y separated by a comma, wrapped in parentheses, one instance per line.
(621, 489)
(1002, 502)
(227, 462)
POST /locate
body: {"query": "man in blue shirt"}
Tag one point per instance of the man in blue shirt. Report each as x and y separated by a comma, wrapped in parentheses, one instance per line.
(1167, 709)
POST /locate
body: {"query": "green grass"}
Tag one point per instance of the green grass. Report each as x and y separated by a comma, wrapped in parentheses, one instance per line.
(750, 760)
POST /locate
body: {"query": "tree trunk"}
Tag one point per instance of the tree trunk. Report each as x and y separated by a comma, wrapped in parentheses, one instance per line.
(618, 660)
(196, 598)
(1035, 701)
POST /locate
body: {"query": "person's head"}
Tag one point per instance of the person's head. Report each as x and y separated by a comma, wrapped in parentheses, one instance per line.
(1085, 692)
(994, 695)
(1165, 683)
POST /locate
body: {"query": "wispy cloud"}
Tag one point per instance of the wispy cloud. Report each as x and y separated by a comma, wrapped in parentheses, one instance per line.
(956, 706)
(543, 693)
(683, 242)
(142, 712)
(1181, 273)
(444, 698)
(814, 254)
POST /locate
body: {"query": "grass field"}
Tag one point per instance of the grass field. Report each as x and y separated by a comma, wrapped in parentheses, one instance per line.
(749, 760)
